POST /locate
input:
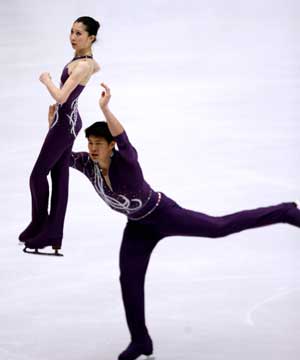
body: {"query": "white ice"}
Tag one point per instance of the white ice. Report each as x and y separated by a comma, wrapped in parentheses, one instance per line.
(208, 92)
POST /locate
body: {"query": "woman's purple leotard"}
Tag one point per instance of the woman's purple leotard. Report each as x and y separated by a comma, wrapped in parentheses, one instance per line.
(153, 216)
(54, 157)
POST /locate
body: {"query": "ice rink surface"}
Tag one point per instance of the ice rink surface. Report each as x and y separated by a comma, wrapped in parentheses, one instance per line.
(208, 92)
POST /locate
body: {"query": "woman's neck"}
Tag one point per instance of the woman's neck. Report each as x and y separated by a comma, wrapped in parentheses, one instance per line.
(83, 52)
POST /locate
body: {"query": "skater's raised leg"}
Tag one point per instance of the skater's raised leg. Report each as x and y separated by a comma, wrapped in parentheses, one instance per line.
(179, 221)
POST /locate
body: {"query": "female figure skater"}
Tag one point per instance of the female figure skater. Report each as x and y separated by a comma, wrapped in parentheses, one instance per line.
(47, 230)
(118, 179)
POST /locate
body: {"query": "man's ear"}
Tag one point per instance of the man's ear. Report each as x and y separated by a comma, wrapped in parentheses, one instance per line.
(112, 144)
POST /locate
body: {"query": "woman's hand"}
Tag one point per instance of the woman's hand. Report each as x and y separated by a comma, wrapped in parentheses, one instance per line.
(45, 78)
(105, 96)
(51, 113)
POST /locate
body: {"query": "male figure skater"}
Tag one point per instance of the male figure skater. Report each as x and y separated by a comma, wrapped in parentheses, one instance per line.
(118, 179)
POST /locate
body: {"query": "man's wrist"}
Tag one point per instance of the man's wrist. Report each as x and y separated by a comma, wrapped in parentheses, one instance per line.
(104, 109)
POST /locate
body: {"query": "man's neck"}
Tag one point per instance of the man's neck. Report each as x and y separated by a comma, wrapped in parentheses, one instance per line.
(104, 164)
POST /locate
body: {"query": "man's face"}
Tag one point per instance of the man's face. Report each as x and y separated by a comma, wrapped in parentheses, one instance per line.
(99, 148)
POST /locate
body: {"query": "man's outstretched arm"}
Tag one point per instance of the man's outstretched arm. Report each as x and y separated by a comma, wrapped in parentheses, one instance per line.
(113, 123)
(115, 127)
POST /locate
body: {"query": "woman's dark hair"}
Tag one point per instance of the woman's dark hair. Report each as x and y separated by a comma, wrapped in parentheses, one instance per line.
(91, 25)
(99, 128)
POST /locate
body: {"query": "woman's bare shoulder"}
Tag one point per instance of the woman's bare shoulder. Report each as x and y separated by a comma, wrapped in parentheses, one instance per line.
(92, 64)
(97, 66)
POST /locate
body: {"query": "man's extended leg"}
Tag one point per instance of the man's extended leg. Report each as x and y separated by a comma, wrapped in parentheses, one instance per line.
(179, 221)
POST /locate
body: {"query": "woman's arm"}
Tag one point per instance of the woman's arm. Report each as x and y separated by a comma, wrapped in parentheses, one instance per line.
(113, 123)
(77, 75)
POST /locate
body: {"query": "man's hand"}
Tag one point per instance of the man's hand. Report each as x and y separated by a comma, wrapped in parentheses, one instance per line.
(51, 112)
(105, 96)
(113, 123)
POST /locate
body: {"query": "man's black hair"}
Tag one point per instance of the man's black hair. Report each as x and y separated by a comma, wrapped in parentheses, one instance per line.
(99, 128)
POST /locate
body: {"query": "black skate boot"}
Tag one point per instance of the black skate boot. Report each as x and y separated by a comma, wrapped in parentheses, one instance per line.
(136, 349)
(41, 241)
(32, 229)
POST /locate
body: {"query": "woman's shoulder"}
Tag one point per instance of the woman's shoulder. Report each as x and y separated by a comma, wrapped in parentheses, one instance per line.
(85, 65)
(96, 66)
(90, 64)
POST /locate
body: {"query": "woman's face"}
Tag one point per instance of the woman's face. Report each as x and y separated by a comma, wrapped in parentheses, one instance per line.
(80, 38)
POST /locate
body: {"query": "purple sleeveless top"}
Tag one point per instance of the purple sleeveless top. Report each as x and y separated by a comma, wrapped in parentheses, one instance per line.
(131, 194)
(67, 115)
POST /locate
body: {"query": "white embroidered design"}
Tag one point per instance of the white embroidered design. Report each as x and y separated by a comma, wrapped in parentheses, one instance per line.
(56, 116)
(127, 205)
(73, 116)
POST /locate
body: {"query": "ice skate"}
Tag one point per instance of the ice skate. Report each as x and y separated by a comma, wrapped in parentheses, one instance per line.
(38, 252)
(134, 350)
(32, 230)
(40, 242)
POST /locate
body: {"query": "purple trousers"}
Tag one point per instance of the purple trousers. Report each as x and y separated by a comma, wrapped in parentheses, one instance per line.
(169, 219)
(54, 158)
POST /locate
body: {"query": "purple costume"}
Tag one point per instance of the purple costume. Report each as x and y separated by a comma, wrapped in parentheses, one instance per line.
(54, 156)
(153, 216)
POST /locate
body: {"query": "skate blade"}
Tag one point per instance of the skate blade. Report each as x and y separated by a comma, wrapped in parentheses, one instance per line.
(37, 252)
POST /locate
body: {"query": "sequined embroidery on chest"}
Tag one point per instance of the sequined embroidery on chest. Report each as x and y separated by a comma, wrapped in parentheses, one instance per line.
(123, 203)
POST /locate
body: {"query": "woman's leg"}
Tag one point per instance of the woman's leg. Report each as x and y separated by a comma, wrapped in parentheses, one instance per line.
(53, 147)
(176, 220)
(137, 246)
(59, 198)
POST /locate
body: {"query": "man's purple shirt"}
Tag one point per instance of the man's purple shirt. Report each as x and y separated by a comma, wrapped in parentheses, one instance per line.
(131, 194)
